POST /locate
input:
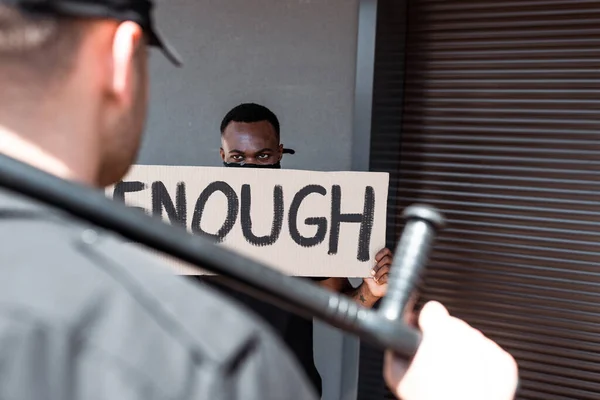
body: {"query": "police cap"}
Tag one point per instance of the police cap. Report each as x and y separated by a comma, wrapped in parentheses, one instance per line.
(139, 11)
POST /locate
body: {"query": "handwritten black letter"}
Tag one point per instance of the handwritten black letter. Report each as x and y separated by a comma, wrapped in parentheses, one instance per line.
(365, 219)
(232, 210)
(246, 219)
(128, 187)
(320, 222)
(160, 197)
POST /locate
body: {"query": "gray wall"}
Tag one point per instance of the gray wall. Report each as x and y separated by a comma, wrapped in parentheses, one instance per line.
(296, 57)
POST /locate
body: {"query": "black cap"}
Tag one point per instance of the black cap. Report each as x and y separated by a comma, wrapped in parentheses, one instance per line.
(139, 11)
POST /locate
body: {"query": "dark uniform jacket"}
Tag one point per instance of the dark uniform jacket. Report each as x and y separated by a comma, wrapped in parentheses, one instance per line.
(84, 316)
(296, 331)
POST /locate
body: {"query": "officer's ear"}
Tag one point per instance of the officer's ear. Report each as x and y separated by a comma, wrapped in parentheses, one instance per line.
(128, 42)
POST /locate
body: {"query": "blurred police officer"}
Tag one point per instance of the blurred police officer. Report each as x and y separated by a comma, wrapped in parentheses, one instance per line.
(83, 316)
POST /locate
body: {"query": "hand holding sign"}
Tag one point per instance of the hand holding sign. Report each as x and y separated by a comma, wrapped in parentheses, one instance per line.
(377, 284)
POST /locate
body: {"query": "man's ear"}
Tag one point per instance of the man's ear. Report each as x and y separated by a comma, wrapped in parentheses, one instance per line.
(280, 151)
(222, 153)
(127, 39)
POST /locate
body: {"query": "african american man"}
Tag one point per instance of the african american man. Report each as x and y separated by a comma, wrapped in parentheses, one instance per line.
(250, 137)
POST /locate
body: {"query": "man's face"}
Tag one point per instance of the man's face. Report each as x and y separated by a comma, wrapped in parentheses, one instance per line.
(251, 143)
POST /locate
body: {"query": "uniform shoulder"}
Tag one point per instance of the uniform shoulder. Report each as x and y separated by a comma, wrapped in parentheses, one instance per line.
(71, 272)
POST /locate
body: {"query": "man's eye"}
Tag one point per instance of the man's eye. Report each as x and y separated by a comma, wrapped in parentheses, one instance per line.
(263, 156)
(237, 157)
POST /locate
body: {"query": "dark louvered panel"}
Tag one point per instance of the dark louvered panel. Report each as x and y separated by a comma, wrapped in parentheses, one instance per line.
(501, 131)
(387, 103)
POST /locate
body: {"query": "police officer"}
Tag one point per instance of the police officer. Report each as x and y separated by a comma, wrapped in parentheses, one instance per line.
(82, 315)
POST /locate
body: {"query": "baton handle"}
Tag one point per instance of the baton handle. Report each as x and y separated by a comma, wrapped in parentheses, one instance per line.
(412, 254)
(385, 330)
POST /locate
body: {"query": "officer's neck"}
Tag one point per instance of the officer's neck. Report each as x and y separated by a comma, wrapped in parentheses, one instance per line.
(56, 126)
(65, 159)
(53, 130)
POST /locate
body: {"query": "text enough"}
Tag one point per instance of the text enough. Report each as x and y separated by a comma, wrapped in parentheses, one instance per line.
(239, 211)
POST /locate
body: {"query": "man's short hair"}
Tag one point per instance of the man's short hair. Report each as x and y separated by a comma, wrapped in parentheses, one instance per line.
(38, 47)
(250, 112)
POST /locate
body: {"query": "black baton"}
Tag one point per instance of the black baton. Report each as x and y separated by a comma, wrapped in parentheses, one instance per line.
(383, 328)
(410, 257)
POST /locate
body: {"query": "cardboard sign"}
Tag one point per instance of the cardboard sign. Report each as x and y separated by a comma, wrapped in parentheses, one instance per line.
(303, 223)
